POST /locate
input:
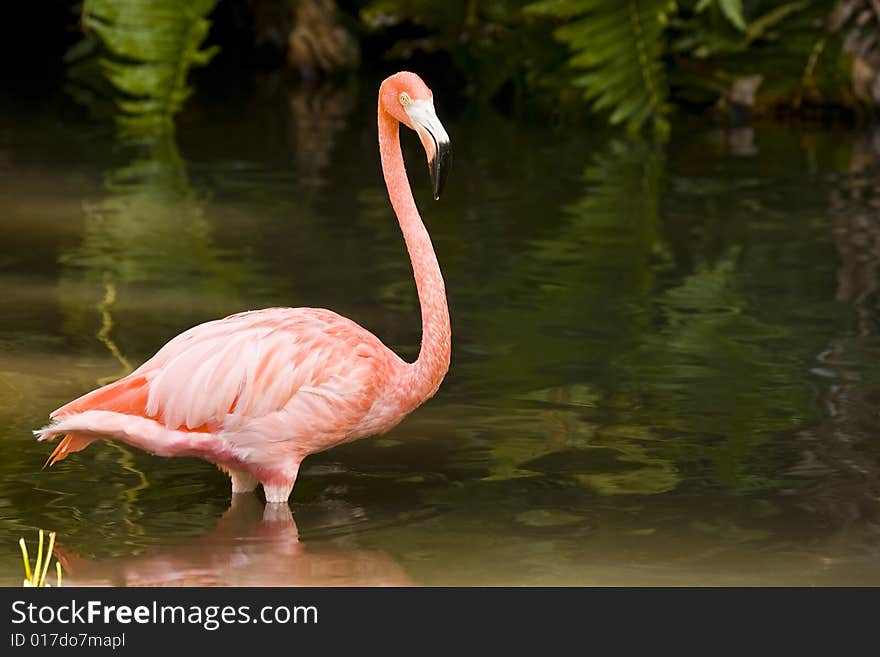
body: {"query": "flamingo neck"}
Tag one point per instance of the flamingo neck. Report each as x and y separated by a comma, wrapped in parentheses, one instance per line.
(423, 377)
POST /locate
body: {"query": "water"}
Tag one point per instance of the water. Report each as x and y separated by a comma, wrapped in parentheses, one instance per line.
(666, 363)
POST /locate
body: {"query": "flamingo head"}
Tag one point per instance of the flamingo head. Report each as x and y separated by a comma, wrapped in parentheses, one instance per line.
(405, 97)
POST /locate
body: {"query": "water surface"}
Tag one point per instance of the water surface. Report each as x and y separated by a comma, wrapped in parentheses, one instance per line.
(666, 363)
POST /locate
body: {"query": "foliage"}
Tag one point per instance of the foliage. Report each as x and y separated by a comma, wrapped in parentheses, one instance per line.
(631, 60)
(36, 577)
(632, 87)
(634, 60)
(704, 46)
(138, 54)
(783, 47)
(711, 28)
(492, 44)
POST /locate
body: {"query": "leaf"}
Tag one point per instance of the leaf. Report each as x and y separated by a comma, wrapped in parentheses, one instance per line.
(758, 27)
(136, 56)
(621, 45)
(733, 11)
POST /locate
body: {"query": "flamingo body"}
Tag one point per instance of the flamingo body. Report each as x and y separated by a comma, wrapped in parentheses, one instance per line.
(257, 392)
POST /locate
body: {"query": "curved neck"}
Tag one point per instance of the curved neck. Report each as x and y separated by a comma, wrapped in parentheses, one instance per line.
(424, 376)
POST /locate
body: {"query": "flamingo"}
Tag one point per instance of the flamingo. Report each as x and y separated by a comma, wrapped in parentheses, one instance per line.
(257, 392)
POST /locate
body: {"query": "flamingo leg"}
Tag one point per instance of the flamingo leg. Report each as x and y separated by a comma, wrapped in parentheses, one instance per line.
(242, 481)
(278, 489)
(277, 493)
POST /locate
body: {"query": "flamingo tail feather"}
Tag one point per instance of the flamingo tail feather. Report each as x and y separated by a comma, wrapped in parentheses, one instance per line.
(68, 445)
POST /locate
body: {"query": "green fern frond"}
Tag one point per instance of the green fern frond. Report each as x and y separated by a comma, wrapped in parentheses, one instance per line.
(620, 44)
(138, 54)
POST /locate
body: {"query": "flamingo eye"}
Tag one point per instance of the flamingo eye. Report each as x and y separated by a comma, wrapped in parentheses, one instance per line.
(405, 100)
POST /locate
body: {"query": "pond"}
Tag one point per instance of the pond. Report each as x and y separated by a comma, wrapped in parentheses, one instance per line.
(665, 370)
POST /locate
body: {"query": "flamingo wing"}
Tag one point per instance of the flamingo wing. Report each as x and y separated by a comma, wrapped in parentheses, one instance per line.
(297, 371)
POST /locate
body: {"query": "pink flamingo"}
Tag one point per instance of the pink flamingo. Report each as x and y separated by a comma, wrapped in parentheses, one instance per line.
(257, 392)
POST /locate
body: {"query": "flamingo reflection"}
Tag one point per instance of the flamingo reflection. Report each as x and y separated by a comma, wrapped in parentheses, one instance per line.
(249, 546)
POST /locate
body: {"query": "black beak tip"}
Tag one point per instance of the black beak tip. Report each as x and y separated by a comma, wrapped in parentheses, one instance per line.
(439, 168)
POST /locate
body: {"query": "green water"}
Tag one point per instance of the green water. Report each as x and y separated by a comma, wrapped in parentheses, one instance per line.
(666, 363)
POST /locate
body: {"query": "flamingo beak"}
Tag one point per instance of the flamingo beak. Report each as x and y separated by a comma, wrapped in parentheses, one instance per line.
(435, 140)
